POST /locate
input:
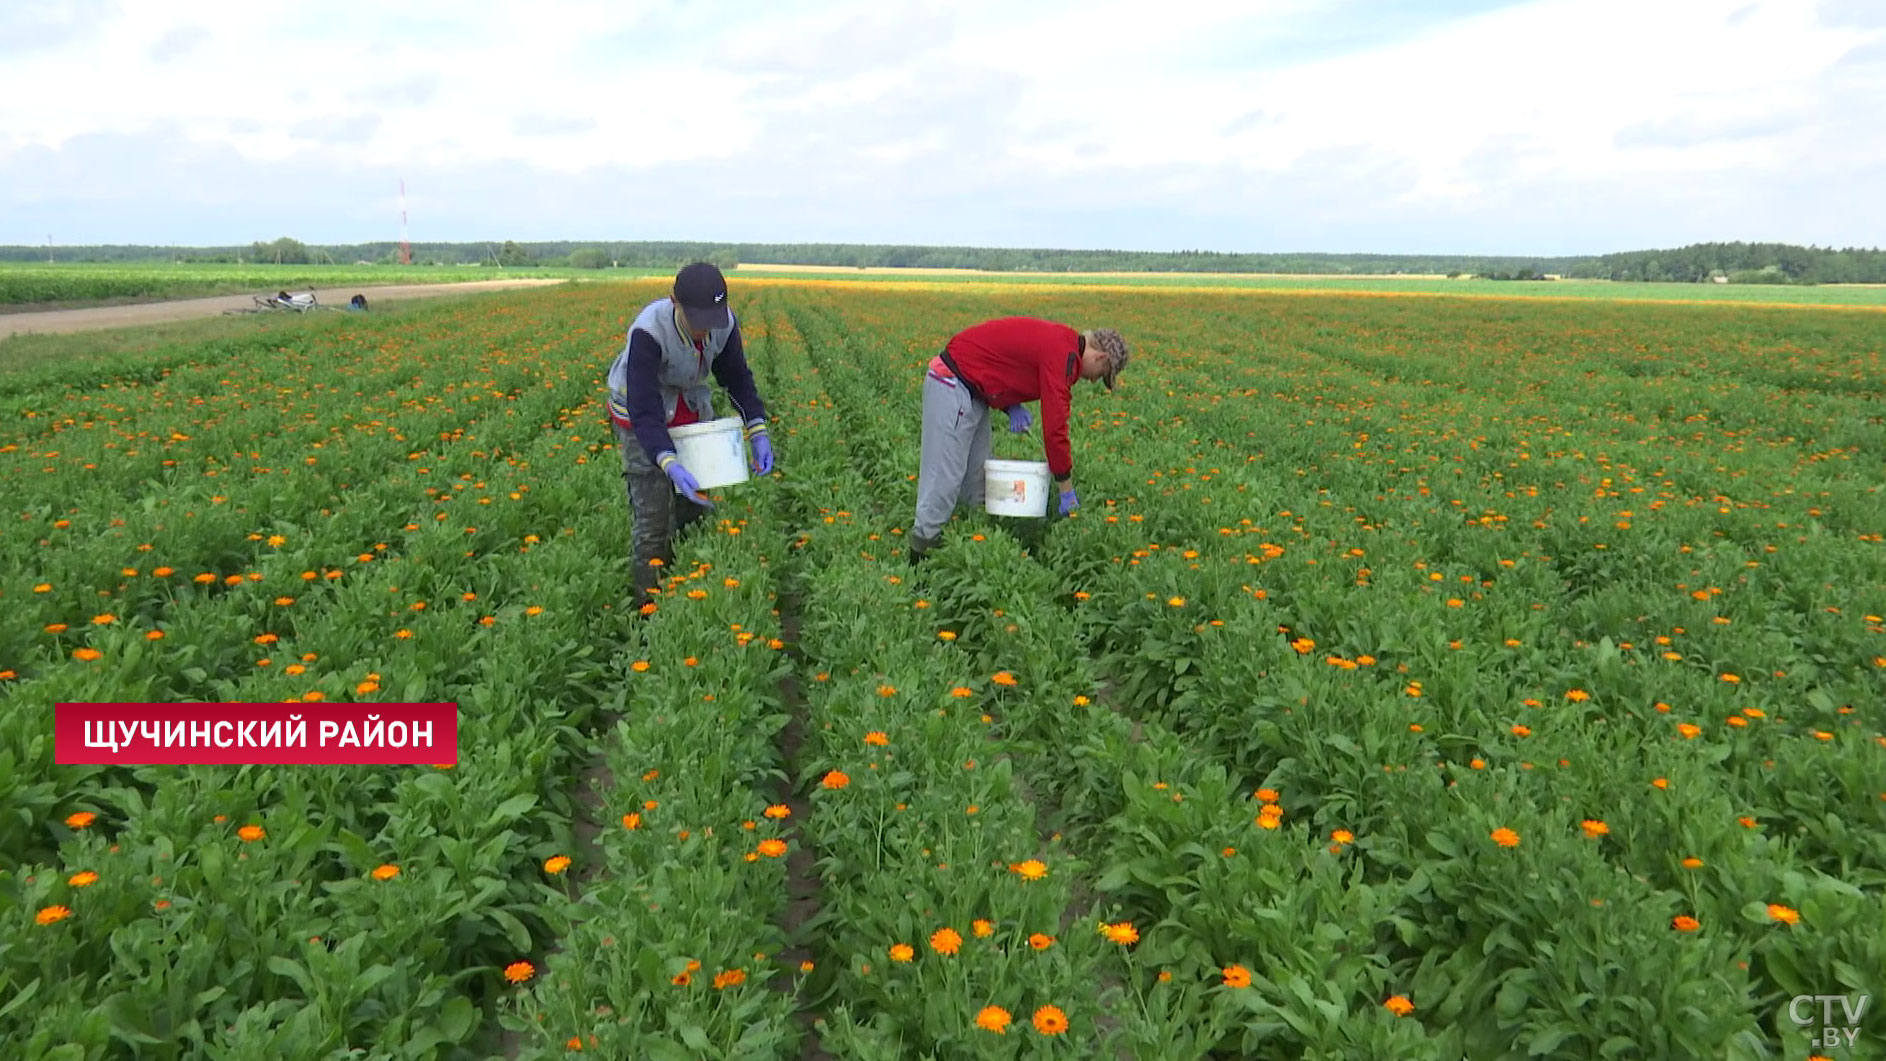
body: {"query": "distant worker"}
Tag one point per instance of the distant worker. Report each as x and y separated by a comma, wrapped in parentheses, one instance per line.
(659, 381)
(358, 302)
(1001, 364)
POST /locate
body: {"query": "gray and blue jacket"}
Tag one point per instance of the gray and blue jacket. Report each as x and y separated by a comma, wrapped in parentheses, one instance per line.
(660, 366)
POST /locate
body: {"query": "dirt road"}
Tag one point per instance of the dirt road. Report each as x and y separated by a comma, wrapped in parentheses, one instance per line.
(78, 320)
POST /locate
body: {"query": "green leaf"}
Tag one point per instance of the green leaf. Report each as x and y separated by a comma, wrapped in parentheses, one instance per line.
(457, 1019)
(1512, 998)
(295, 971)
(511, 809)
(20, 999)
(514, 930)
(1546, 1041)
(696, 1037)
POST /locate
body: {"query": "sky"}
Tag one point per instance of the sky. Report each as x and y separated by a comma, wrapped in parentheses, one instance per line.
(1538, 127)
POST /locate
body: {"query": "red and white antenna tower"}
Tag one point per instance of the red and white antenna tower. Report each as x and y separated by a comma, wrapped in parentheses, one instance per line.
(405, 249)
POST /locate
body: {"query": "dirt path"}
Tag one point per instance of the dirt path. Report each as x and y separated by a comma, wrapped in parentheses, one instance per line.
(78, 320)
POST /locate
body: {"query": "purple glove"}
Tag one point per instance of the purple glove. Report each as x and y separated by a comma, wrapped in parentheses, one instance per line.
(685, 482)
(1018, 418)
(762, 454)
(1068, 501)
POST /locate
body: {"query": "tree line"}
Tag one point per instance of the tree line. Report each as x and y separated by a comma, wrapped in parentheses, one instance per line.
(1696, 263)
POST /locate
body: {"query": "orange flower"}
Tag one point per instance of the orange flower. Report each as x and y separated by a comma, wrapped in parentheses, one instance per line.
(1342, 836)
(982, 927)
(1685, 923)
(730, 978)
(887, 691)
(1577, 695)
(87, 655)
(249, 834)
(1783, 914)
(994, 1019)
(772, 848)
(1040, 941)
(1237, 976)
(1030, 869)
(945, 941)
(902, 952)
(778, 810)
(1003, 678)
(1505, 837)
(1594, 828)
(50, 914)
(962, 692)
(80, 820)
(556, 863)
(1399, 1005)
(876, 737)
(835, 779)
(1266, 795)
(83, 878)
(632, 821)
(518, 972)
(1692, 863)
(386, 872)
(1049, 1020)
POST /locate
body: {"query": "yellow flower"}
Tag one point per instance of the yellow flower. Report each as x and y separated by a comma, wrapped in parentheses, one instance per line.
(386, 872)
(1030, 869)
(556, 863)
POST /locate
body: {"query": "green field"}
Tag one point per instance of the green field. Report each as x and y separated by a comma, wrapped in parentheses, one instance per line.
(1421, 678)
(31, 286)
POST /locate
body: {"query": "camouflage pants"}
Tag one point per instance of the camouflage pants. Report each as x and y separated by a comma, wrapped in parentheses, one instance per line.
(660, 513)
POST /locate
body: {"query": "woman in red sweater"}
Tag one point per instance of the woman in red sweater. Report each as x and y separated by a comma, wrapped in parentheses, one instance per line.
(1001, 364)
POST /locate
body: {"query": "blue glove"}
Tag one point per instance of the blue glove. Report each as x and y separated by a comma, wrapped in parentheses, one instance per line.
(762, 454)
(1018, 418)
(685, 482)
(1068, 501)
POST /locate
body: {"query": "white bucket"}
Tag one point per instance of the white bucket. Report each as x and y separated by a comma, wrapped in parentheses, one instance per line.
(714, 451)
(1015, 488)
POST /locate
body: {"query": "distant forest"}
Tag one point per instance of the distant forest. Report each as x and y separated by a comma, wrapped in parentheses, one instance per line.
(1772, 263)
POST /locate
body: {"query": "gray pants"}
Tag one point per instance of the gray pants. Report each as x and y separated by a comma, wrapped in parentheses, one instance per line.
(660, 512)
(955, 445)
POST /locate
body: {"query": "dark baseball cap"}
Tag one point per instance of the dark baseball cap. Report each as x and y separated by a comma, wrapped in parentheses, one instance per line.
(701, 292)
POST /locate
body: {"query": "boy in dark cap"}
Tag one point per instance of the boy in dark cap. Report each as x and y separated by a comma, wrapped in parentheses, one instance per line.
(659, 381)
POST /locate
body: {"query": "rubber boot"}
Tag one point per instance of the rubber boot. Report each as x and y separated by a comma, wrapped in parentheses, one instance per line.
(920, 548)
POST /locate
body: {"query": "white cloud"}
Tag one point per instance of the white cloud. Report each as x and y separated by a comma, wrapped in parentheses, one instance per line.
(1539, 126)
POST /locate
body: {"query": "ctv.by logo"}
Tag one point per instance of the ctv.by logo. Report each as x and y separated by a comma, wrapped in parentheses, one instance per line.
(1828, 1035)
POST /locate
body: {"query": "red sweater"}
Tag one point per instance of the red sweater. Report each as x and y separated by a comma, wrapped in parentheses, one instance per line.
(1013, 360)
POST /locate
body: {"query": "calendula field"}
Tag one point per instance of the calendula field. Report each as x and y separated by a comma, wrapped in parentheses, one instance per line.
(1422, 677)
